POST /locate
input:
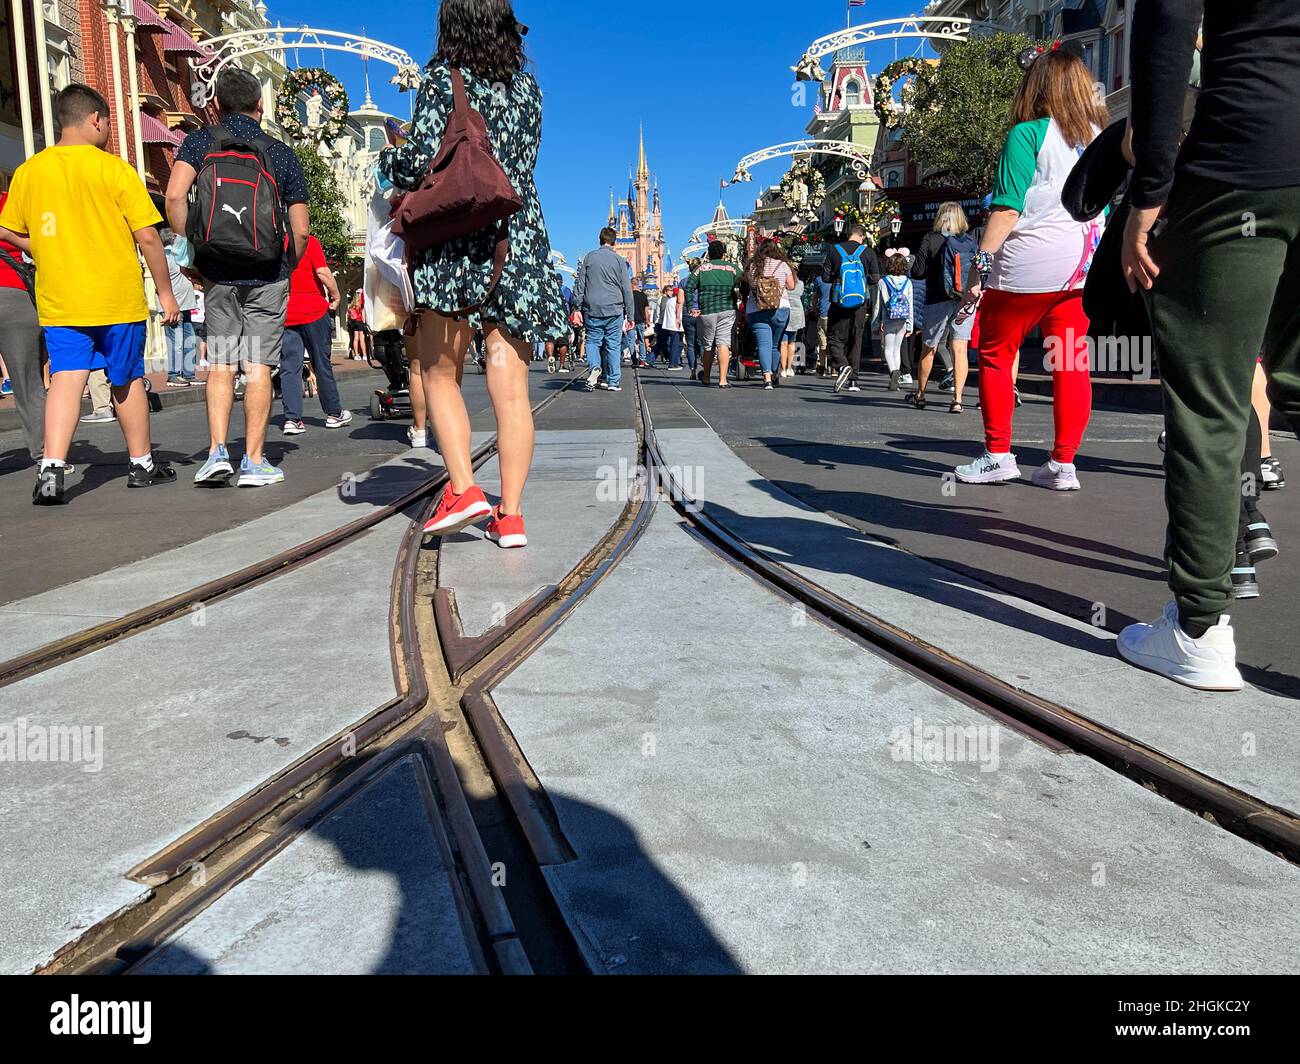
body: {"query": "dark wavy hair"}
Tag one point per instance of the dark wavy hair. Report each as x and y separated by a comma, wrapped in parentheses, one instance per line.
(483, 36)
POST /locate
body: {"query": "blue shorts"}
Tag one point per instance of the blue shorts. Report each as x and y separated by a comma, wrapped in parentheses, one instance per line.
(119, 349)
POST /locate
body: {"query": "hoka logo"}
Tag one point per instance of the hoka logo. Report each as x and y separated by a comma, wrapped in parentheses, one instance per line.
(239, 214)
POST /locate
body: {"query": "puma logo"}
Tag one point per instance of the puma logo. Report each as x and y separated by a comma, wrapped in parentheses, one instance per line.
(239, 214)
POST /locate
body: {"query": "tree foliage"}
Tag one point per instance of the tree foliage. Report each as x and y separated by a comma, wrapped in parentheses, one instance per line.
(326, 207)
(959, 118)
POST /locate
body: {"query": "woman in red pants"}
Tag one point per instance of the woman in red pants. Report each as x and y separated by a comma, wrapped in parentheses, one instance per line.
(1032, 263)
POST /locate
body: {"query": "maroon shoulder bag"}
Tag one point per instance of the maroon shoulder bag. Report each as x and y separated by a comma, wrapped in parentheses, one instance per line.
(464, 190)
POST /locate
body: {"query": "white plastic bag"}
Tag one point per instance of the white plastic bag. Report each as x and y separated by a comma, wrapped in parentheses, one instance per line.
(390, 296)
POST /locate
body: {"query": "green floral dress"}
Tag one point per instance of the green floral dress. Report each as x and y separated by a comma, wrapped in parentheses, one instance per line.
(527, 301)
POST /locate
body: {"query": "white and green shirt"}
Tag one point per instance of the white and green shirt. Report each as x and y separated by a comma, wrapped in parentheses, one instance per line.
(1047, 251)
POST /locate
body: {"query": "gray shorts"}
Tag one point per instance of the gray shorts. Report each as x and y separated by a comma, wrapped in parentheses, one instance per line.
(939, 319)
(245, 324)
(714, 330)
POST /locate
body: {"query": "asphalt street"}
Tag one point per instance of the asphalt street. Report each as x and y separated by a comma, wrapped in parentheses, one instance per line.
(104, 525)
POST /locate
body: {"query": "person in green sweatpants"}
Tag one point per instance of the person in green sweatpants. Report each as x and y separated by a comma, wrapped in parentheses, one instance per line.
(1224, 294)
(1214, 240)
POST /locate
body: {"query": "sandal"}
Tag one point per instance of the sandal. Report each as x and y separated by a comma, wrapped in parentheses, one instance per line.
(955, 408)
(915, 400)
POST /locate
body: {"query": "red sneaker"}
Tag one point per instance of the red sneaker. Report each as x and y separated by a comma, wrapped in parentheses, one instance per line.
(507, 530)
(456, 512)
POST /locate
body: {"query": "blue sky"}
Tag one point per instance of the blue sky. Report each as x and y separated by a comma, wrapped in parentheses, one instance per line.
(712, 84)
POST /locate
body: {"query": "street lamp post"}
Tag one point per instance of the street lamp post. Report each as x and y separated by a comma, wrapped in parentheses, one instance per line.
(896, 226)
(839, 226)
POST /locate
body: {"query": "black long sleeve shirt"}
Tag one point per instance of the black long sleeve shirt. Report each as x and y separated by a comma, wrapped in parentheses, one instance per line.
(870, 263)
(1246, 132)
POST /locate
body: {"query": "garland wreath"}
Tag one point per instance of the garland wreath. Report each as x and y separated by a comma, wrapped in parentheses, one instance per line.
(889, 110)
(803, 173)
(335, 115)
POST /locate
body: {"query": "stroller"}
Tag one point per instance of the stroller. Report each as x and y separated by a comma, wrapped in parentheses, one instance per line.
(388, 404)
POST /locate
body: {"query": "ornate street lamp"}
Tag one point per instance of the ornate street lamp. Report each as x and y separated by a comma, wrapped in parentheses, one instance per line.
(896, 226)
(839, 226)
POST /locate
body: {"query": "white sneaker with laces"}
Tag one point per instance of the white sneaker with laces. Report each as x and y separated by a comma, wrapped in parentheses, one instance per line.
(418, 439)
(990, 469)
(340, 420)
(1207, 664)
(1057, 477)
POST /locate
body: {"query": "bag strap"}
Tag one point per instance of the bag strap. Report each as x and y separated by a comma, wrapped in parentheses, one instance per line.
(498, 268)
(221, 136)
(24, 271)
(460, 99)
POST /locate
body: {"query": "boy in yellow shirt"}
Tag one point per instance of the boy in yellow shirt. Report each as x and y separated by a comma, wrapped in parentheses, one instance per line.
(80, 213)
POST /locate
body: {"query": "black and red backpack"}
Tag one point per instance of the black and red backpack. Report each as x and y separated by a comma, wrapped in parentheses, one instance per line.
(235, 212)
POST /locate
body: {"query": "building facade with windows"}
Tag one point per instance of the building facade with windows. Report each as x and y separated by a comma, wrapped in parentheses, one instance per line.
(40, 39)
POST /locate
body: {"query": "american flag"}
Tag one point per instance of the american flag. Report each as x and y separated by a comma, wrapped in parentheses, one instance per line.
(817, 106)
(857, 3)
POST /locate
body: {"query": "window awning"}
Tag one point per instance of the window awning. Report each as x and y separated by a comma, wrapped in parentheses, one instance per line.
(178, 42)
(147, 18)
(153, 131)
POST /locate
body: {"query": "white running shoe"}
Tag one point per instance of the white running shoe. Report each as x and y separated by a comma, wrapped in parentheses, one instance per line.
(341, 420)
(418, 439)
(592, 377)
(1057, 477)
(906, 378)
(990, 469)
(1207, 664)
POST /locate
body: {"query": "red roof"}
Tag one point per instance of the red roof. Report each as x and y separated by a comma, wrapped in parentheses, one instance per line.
(153, 131)
(147, 17)
(178, 42)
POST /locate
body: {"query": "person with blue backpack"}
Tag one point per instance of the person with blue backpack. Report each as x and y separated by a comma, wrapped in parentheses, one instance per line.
(893, 311)
(850, 268)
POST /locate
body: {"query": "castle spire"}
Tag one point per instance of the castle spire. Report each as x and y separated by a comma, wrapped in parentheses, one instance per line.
(365, 65)
(613, 214)
(642, 170)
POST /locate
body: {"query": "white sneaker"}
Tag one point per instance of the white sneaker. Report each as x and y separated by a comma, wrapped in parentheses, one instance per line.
(906, 378)
(592, 377)
(989, 469)
(1207, 664)
(340, 420)
(1057, 477)
(418, 439)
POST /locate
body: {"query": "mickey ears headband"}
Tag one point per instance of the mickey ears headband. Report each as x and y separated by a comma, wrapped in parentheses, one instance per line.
(1029, 55)
(897, 251)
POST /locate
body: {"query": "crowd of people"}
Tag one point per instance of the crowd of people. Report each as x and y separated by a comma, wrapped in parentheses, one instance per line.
(1089, 224)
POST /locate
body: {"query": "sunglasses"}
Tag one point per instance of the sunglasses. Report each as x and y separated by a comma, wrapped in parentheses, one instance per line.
(521, 29)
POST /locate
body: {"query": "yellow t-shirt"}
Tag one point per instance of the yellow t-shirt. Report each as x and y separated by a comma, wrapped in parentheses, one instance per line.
(79, 206)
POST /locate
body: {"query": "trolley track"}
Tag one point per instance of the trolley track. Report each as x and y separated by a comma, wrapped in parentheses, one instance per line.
(476, 800)
(88, 640)
(1059, 727)
(485, 799)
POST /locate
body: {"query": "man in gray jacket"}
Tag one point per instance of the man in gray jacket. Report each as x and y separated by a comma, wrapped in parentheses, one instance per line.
(602, 299)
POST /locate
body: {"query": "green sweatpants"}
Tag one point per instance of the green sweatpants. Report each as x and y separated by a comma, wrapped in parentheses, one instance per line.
(1228, 290)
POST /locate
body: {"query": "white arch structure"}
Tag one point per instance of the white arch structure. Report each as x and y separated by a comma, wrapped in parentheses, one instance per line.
(222, 51)
(691, 249)
(737, 226)
(859, 155)
(926, 27)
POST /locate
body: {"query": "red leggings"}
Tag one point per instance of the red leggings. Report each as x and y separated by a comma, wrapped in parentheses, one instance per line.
(1005, 319)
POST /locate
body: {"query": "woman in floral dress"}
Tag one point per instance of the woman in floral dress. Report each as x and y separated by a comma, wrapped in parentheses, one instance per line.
(485, 41)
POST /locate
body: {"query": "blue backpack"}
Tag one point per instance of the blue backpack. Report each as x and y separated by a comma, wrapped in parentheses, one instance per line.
(899, 307)
(851, 289)
(958, 257)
